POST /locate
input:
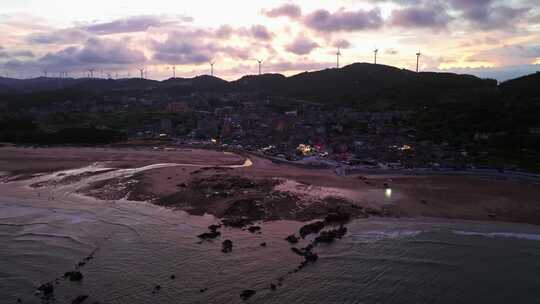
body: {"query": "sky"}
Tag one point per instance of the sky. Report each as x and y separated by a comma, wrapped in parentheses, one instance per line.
(488, 38)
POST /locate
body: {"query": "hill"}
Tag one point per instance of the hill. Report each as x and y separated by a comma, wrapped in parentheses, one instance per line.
(523, 87)
(357, 84)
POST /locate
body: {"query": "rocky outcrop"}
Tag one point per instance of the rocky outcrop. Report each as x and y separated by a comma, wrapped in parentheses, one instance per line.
(330, 235)
(254, 229)
(292, 239)
(209, 235)
(80, 299)
(311, 228)
(246, 294)
(73, 276)
(227, 246)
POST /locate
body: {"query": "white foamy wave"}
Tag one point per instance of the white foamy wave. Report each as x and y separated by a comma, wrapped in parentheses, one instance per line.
(374, 235)
(511, 235)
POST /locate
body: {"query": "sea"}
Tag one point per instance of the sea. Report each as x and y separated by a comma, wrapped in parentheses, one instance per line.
(138, 246)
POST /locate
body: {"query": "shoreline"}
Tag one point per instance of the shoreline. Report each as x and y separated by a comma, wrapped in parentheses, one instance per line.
(231, 185)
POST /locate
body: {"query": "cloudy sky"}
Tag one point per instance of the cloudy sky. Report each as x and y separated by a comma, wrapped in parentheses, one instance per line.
(489, 38)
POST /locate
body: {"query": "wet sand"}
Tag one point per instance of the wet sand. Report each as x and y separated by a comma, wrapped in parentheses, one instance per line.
(269, 191)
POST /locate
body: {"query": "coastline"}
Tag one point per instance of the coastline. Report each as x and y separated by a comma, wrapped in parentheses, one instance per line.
(214, 182)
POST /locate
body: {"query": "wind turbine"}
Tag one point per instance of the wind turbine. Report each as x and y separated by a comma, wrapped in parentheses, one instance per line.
(142, 72)
(418, 60)
(91, 71)
(212, 68)
(45, 73)
(174, 72)
(260, 61)
(375, 52)
(338, 54)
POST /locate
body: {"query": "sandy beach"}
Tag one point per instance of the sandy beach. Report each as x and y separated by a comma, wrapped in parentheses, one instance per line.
(230, 185)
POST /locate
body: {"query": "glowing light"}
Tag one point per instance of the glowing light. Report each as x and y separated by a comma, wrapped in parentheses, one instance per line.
(388, 193)
(213, 140)
(405, 148)
(305, 149)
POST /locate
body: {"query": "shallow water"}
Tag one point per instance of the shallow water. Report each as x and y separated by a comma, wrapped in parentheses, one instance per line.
(140, 245)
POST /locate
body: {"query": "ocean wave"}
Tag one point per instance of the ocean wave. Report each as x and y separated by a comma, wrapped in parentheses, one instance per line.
(508, 235)
(26, 235)
(384, 234)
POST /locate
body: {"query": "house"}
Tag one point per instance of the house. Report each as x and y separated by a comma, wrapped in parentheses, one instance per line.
(177, 107)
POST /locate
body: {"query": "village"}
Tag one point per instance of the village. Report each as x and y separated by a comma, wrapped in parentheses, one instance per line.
(284, 129)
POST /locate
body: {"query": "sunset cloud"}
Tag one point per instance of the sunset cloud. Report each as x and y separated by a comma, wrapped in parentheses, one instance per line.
(323, 20)
(465, 34)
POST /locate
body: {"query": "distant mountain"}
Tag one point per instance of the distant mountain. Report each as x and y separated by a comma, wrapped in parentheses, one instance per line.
(359, 83)
(522, 87)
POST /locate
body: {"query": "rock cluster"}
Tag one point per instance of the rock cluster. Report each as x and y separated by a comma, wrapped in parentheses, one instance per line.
(227, 246)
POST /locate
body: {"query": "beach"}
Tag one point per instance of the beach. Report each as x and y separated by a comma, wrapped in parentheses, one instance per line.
(134, 219)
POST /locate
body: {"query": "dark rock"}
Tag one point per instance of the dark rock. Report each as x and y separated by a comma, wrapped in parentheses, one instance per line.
(73, 276)
(292, 239)
(203, 290)
(46, 289)
(424, 202)
(310, 256)
(214, 228)
(19, 300)
(227, 246)
(251, 209)
(209, 235)
(237, 221)
(173, 277)
(79, 299)
(372, 211)
(330, 235)
(246, 294)
(254, 229)
(81, 264)
(311, 228)
(158, 287)
(337, 217)
(307, 253)
(297, 251)
(273, 287)
(263, 244)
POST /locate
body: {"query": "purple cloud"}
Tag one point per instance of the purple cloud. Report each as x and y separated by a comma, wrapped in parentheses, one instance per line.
(509, 54)
(132, 24)
(434, 17)
(261, 32)
(95, 52)
(16, 54)
(325, 21)
(342, 44)
(65, 36)
(292, 11)
(301, 46)
(487, 14)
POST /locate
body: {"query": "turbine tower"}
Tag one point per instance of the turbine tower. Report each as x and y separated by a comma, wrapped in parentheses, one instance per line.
(260, 61)
(212, 68)
(91, 71)
(418, 60)
(375, 53)
(174, 72)
(142, 72)
(338, 54)
(45, 73)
